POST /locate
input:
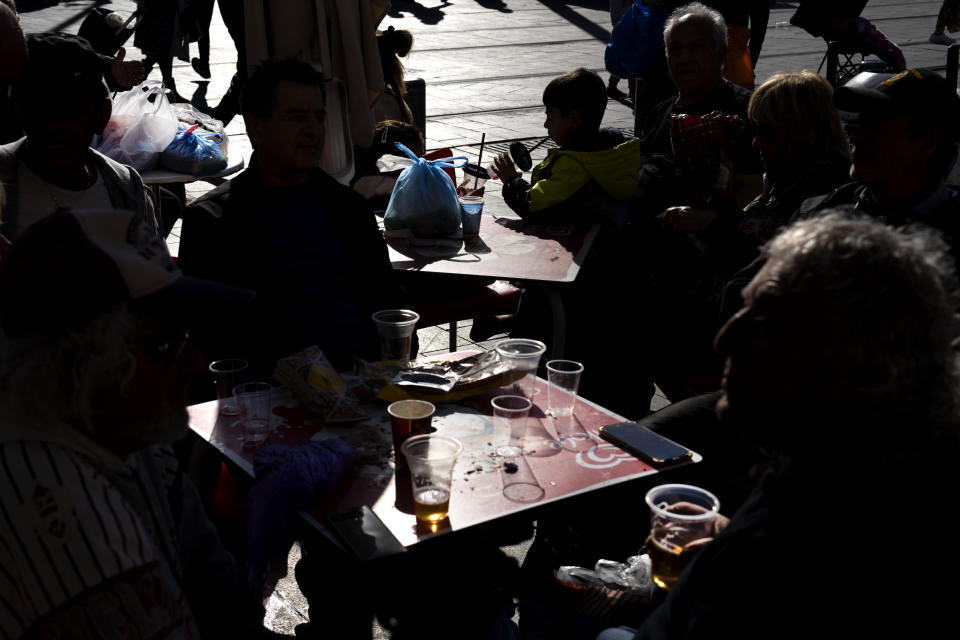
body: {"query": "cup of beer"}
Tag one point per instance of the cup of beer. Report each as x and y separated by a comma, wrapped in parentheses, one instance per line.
(682, 521)
(431, 458)
(408, 418)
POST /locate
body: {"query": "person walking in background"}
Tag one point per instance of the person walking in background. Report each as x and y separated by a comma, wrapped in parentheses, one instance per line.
(947, 20)
(159, 36)
(203, 13)
(617, 9)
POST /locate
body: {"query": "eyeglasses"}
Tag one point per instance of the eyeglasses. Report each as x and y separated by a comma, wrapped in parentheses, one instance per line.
(167, 353)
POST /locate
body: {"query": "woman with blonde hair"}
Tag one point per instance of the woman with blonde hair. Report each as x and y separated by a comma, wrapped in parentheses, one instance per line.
(804, 154)
(802, 146)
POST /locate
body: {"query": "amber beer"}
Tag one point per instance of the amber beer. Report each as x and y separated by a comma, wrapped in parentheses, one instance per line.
(431, 504)
(667, 561)
(682, 521)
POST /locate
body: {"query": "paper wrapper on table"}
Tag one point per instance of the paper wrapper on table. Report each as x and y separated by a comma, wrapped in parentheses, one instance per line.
(318, 385)
(465, 387)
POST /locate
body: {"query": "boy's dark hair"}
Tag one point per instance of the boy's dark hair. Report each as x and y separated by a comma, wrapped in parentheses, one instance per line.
(261, 87)
(582, 90)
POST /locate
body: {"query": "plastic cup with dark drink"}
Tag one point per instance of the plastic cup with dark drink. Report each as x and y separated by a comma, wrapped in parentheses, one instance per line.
(431, 458)
(408, 418)
(396, 327)
(682, 521)
(471, 209)
(474, 177)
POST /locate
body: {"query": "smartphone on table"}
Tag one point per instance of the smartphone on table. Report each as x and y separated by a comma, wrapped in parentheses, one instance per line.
(647, 445)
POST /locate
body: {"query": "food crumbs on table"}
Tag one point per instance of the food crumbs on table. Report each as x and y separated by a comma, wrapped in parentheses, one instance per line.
(510, 467)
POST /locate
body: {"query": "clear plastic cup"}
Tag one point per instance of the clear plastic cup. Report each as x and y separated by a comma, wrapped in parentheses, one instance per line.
(254, 403)
(522, 355)
(682, 521)
(431, 459)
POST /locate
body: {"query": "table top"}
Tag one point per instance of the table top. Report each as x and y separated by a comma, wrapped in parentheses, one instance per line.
(507, 248)
(477, 494)
(165, 176)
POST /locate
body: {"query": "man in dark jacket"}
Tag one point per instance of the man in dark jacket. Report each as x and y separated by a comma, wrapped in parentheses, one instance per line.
(309, 246)
(840, 366)
(903, 147)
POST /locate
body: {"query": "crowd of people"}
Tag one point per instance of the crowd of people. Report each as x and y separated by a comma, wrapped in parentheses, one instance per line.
(800, 292)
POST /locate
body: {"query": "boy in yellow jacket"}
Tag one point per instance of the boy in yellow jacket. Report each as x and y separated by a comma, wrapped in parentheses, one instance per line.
(593, 169)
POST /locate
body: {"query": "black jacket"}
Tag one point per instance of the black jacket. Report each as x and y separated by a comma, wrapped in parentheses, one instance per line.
(223, 239)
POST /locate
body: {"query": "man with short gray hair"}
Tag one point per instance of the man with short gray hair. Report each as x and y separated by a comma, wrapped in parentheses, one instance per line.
(695, 39)
(841, 365)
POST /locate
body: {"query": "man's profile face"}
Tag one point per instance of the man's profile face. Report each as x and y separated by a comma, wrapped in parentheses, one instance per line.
(775, 356)
(693, 57)
(291, 135)
(884, 149)
(151, 406)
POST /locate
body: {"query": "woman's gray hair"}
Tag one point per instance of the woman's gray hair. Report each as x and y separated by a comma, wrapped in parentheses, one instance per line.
(696, 11)
(888, 299)
(50, 380)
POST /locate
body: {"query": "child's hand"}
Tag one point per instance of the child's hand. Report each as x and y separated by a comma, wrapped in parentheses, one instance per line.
(505, 168)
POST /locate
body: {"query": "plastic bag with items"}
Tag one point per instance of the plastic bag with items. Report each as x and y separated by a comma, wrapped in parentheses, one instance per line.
(194, 152)
(424, 200)
(141, 126)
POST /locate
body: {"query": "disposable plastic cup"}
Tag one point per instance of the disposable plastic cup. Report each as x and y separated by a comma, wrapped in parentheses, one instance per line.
(519, 482)
(408, 418)
(522, 355)
(510, 414)
(564, 379)
(396, 327)
(431, 458)
(474, 177)
(471, 210)
(227, 374)
(254, 405)
(682, 521)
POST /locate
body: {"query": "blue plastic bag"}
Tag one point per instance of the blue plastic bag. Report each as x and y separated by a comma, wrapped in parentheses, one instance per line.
(197, 154)
(424, 200)
(636, 41)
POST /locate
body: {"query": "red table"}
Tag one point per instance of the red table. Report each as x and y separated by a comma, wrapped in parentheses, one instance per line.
(507, 249)
(476, 495)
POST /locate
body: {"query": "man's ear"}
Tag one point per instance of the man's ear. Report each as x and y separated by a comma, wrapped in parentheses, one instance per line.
(254, 124)
(932, 139)
(103, 116)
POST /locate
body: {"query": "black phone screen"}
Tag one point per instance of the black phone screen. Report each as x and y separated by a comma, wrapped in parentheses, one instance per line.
(645, 444)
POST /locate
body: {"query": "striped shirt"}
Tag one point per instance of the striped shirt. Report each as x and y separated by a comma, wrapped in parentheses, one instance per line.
(85, 552)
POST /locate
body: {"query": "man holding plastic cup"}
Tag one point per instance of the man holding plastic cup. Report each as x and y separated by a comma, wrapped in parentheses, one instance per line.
(840, 365)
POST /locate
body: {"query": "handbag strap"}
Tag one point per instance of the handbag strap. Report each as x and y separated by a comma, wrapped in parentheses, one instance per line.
(439, 162)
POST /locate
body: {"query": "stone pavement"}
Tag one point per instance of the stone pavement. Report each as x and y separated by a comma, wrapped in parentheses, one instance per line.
(485, 63)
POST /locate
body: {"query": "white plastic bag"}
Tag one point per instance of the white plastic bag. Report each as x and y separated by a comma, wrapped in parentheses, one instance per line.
(141, 126)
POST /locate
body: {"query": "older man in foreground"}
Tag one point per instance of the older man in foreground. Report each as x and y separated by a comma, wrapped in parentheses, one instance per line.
(100, 533)
(841, 366)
